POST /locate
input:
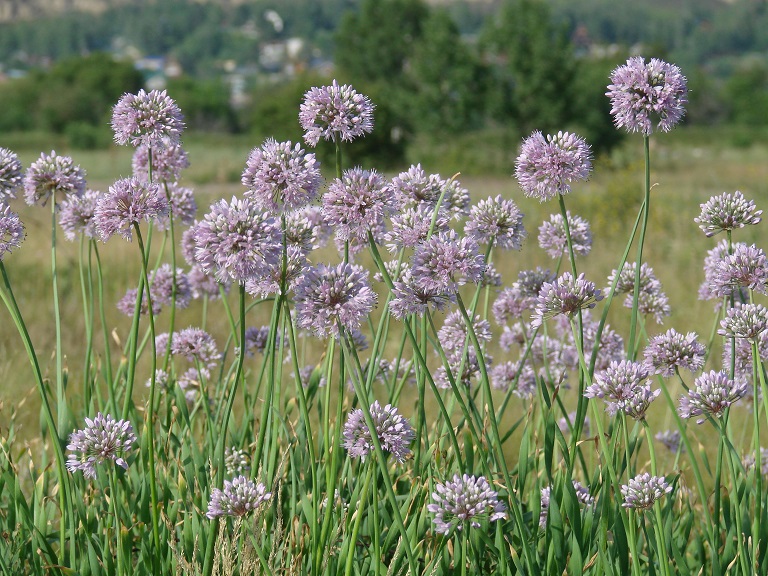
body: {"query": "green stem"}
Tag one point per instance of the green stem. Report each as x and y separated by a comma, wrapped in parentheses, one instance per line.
(61, 402)
(640, 243)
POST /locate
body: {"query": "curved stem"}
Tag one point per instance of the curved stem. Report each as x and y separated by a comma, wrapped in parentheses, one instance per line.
(640, 242)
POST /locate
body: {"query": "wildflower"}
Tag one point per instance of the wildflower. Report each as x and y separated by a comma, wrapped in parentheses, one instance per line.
(410, 298)
(554, 242)
(749, 461)
(668, 352)
(195, 344)
(714, 392)
(279, 176)
(453, 335)
(103, 439)
(744, 321)
(456, 199)
(357, 203)
(582, 495)
(464, 501)
(412, 225)
(746, 266)
(727, 212)
(498, 222)
(240, 497)
(148, 118)
(127, 304)
(618, 384)
(642, 94)
(182, 206)
(52, 174)
(11, 231)
(508, 374)
(164, 284)
(76, 215)
(643, 490)
(392, 429)
(167, 163)
(279, 278)
(547, 166)
(670, 439)
(510, 303)
(125, 205)
(565, 295)
(335, 112)
(300, 231)
(445, 261)
(637, 405)
(743, 366)
(257, 339)
(327, 297)
(235, 461)
(203, 284)
(414, 188)
(237, 241)
(10, 175)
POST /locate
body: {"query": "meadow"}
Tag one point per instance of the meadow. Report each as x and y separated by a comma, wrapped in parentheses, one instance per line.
(278, 460)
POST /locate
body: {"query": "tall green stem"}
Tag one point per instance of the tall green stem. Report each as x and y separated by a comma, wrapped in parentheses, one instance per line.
(640, 243)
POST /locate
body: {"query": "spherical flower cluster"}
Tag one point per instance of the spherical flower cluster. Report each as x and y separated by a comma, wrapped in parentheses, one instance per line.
(623, 385)
(167, 162)
(553, 240)
(277, 278)
(453, 335)
(103, 439)
(707, 289)
(204, 285)
(744, 321)
(148, 118)
(10, 175)
(126, 204)
(445, 261)
(566, 296)
(127, 304)
(279, 176)
(163, 284)
(508, 374)
(195, 344)
(464, 501)
(409, 297)
(76, 215)
(456, 199)
(335, 112)
(235, 461)
(329, 296)
(414, 187)
(392, 429)
(749, 461)
(670, 351)
(742, 354)
(240, 497)
(50, 175)
(357, 203)
(713, 393)
(582, 495)
(727, 212)
(237, 241)
(670, 439)
(646, 93)
(643, 490)
(547, 166)
(745, 267)
(498, 222)
(11, 231)
(412, 225)
(182, 206)
(652, 301)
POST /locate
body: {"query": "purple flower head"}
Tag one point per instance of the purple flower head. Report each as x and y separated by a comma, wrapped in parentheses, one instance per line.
(415, 188)
(240, 497)
(11, 231)
(554, 242)
(565, 295)
(393, 431)
(278, 176)
(167, 163)
(743, 356)
(204, 285)
(412, 225)
(103, 439)
(749, 461)
(617, 383)
(746, 267)
(147, 118)
(643, 490)
(510, 303)
(461, 373)
(464, 501)
(236, 461)
(10, 175)
(708, 287)
(126, 204)
(670, 351)
(638, 404)
(509, 374)
(237, 241)
(453, 335)
(76, 215)
(163, 286)
(257, 340)
(408, 297)
(456, 199)
(744, 321)
(670, 439)
(582, 495)
(327, 296)
(497, 221)
(714, 392)
(195, 345)
(651, 299)
(51, 175)
(182, 206)
(727, 212)
(357, 203)
(646, 93)
(547, 166)
(127, 304)
(300, 231)
(445, 261)
(335, 113)
(276, 278)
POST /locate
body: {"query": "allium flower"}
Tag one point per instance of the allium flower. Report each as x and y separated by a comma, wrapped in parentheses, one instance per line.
(547, 166)
(279, 176)
(617, 383)
(237, 241)
(670, 439)
(651, 299)
(554, 242)
(163, 286)
(412, 225)
(167, 163)
(670, 351)
(565, 295)
(147, 118)
(446, 261)
(11, 231)
(182, 205)
(51, 175)
(203, 284)
(510, 303)
(195, 344)
(76, 215)
(744, 321)
(10, 175)
(392, 429)
(127, 203)
(714, 392)
(508, 374)
(357, 203)
(410, 298)
(749, 461)
(127, 304)
(453, 335)
(643, 94)
(746, 267)
(497, 221)
(727, 212)
(464, 501)
(335, 112)
(328, 296)
(456, 199)
(103, 439)
(709, 287)
(300, 231)
(416, 188)
(257, 339)
(240, 497)
(638, 404)
(643, 490)
(235, 461)
(582, 495)
(743, 355)
(276, 279)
